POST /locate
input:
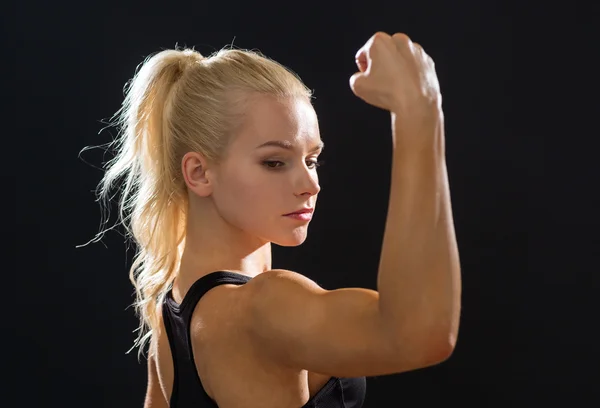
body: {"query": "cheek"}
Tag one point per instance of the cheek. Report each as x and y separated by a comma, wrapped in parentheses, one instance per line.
(247, 199)
(251, 194)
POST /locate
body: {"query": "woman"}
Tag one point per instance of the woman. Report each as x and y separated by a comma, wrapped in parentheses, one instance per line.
(219, 157)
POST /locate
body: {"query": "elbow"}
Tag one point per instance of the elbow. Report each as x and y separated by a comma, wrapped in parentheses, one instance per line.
(427, 344)
(439, 351)
(442, 351)
(439, 339)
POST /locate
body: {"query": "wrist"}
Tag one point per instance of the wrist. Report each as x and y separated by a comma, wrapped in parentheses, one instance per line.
(419, 133)
(421, 106)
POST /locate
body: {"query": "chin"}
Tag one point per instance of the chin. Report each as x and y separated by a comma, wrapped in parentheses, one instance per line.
(288, 244)
(290, 241)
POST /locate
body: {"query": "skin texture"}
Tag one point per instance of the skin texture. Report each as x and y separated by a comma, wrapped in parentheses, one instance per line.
(236, 207)
(236, 210)
(276, 343)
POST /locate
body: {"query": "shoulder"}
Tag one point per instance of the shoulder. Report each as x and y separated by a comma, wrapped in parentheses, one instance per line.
(275, 292)
(278, 292)
(238, 303)
(278, 285)
(281, 279)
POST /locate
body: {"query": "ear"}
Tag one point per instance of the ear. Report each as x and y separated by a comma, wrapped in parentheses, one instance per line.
(196, 174)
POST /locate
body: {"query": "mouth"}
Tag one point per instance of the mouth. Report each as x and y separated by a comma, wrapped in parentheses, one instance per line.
(308, 211)
(304, 214)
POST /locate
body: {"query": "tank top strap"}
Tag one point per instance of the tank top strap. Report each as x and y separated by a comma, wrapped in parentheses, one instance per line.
(199, 288)
(188, 390)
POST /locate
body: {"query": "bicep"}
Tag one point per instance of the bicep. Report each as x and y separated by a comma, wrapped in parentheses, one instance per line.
(339, 332)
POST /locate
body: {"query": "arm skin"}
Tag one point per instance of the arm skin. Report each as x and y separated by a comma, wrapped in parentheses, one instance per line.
(419, 280)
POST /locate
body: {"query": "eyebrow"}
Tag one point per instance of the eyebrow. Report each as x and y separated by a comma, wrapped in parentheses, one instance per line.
(284, 144)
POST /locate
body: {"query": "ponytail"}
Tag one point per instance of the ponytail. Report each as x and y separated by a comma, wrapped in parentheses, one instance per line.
(155, 206)
(176, 102)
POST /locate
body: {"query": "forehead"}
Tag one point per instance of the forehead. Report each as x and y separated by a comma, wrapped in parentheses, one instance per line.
(286, 119)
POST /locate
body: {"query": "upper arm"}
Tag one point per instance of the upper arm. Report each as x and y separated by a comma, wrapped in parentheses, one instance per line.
(338, 332)
(154, 396)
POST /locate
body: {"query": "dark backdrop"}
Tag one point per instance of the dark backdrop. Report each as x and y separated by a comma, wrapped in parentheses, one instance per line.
(519, 342)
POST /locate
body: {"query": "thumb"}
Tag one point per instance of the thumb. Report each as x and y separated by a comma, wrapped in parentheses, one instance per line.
(357, 83)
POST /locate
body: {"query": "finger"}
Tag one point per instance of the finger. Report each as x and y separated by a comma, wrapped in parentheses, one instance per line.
(419, 49)
(362, 62)
(363, 58)
(401, 40)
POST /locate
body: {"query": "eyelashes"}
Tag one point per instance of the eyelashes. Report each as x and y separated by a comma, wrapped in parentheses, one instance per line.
(277, 164)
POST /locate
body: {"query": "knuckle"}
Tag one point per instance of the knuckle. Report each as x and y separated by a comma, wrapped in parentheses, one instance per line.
(379, 39)
(419, 51)
(380, 36)
(426, 57)
(401, 39)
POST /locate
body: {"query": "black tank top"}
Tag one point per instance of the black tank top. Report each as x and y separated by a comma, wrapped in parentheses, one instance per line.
(187, 387)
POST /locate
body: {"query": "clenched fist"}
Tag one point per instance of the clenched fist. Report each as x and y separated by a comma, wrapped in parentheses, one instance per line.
(396, 75)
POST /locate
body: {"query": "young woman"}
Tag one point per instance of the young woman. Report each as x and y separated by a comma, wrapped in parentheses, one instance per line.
(219, 159)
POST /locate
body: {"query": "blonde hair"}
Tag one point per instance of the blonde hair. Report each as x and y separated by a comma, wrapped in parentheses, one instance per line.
(177, 101)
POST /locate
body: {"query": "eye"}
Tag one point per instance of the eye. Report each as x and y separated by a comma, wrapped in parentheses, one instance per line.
(276, 164)
(272, 164)
(315, 163)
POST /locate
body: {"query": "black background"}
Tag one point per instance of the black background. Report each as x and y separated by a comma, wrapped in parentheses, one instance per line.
(526, 326)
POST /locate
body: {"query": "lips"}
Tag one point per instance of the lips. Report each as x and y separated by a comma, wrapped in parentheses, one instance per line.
(302, 211)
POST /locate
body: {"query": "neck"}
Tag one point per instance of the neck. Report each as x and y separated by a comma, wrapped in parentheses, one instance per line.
(212, 244)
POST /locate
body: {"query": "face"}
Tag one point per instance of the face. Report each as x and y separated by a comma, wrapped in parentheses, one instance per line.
(271, 170)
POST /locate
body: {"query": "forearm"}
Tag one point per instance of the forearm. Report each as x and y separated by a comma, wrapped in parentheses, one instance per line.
(419, 280)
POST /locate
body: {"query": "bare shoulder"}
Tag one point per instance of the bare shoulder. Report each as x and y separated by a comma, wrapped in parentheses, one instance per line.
(283, 279)
(337, 332)
(275, 287)
(284, 290)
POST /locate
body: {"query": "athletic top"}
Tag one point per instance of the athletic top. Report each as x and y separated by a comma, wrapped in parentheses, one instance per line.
(188, 391)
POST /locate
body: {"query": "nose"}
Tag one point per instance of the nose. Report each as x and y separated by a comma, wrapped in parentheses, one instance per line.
(308, 183)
